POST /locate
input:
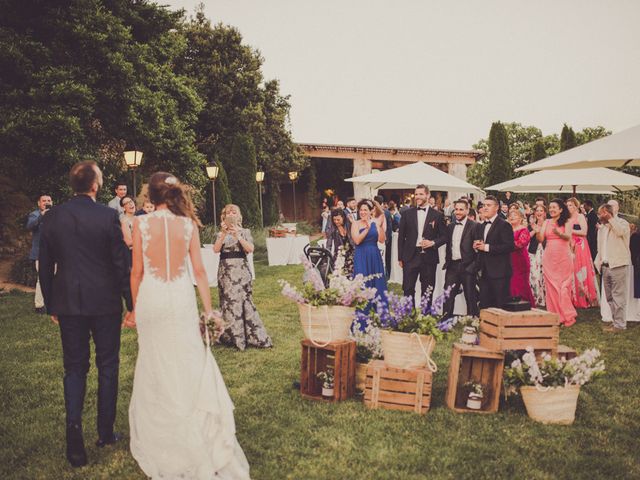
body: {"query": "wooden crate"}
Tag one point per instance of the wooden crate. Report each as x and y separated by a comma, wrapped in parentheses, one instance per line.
(340, 357)
(563, 352)
(398, 389)
(503, 330)
(477, 364)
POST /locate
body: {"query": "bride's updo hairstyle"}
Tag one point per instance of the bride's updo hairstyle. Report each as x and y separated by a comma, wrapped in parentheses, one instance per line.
(166, 188)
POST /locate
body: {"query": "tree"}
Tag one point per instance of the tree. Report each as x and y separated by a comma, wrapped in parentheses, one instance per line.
(241, 169)
(223, 194)
(591, 133)
(499, 163)
(538, 151)
(567, 138)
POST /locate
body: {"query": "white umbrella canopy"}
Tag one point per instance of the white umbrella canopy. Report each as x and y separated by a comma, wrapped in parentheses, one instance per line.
(583, 180)
(408, 176)
(618, 150)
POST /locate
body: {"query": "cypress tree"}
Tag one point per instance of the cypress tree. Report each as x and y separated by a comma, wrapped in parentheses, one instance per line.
(538, 152)
(270, 202)
(567, 138)
(499, 166)
(241, 170)
(223, 194)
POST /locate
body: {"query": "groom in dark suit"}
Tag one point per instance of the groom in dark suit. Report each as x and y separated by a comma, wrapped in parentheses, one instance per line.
(494, 244)
(461, 260)
(84, 274)
(422, 231)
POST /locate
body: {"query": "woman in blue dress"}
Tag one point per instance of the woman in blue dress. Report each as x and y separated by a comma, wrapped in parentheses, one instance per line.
(366, 232)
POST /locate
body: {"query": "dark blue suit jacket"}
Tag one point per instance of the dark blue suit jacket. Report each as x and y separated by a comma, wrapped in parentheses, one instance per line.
(84, 269)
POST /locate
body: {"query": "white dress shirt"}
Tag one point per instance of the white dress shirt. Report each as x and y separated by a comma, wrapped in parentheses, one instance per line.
(422, 218)
(456, 238)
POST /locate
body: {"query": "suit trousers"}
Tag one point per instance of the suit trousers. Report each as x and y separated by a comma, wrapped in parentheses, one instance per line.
(456, 277)
(615, 289)
(494, 292)
(418, 266)
(39, 299)
(387, 258)
(75, 332)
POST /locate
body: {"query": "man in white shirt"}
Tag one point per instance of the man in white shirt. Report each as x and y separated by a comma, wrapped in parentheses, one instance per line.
(461, 268)
(121, 192)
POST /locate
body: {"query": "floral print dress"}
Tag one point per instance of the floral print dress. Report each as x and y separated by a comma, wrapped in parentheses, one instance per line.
(235, 287)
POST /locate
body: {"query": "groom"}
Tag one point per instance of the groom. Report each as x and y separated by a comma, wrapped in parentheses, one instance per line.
(422, 231)
(84, 274)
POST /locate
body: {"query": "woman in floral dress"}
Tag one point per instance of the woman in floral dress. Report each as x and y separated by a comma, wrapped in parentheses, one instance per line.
(585, 289)
(536, 250)
(242, 321)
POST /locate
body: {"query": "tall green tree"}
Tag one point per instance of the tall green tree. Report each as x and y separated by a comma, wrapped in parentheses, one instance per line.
(223, 194)
(499, 166)
(241, 167)
(538, 151)
(589, 134)
(567, 138)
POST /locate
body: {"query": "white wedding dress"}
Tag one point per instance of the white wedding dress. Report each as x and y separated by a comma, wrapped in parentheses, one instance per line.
(181, 415)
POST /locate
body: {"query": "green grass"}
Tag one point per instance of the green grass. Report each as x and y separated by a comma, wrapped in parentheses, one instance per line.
(285, 436)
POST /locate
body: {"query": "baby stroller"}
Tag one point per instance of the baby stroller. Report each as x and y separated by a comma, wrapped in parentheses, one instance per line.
(320, 258)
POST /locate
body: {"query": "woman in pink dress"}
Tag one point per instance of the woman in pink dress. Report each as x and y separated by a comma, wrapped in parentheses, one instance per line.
(519, 286)
(557, 264)
(585, 290)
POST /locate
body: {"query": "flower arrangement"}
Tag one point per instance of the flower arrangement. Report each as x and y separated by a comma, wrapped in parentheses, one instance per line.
(207, 322)
(399, 315)
(552, 372)
(470, 329)
(368, 345)
(342, 290)
(476, 394)
(326, 378)
(475, 388)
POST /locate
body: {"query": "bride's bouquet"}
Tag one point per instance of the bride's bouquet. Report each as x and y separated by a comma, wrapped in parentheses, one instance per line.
(208, 323)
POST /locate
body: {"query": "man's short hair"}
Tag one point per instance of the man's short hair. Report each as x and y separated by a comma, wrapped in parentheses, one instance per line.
(82, 176)
(540, 199)
(462, 201)
(607, 207)
(588, 203)
(379, 199)
(44, 195)
(351, 199)
(472, 213)
(424, 187)
(119, 183)
(492, 199)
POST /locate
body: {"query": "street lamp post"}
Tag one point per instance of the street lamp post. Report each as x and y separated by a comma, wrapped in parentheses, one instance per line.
(293, 176)
(260, 179)
(212, 173)
(133, 159)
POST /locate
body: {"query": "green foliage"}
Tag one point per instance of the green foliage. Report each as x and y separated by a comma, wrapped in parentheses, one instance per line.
(589, 134)
(313, 193)
(567, 138)
(241, 169)
(538, 152)
(223, 193)
(499, 160)
(23, 272)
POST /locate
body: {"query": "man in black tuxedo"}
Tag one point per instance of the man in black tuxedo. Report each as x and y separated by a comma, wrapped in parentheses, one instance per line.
(84, 274)
(592, 227)
(422, 231)
(461, 260)
(494, 244)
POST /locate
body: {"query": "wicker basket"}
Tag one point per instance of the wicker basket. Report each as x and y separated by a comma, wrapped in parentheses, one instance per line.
(407, 350)
(552, 406)
(325, 324)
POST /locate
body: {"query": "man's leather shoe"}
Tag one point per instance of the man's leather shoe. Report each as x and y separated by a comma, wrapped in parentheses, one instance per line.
(76, 453)
(612, 329)
(102, 442)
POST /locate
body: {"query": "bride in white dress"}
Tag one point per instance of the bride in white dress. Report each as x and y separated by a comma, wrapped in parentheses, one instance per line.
(180, 416)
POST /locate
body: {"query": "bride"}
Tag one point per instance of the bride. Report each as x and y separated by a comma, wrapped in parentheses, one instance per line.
(181, 415)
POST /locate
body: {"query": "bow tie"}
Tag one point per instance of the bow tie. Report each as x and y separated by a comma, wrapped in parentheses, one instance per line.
(488, 222)
(458, 223)
(424, 209)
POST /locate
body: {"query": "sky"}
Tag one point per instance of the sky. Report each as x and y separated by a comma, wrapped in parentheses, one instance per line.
(436, 74)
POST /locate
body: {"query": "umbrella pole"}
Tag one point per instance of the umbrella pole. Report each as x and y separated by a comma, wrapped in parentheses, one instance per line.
(574, 190)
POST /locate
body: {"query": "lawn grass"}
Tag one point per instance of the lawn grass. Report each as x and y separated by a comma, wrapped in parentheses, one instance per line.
(285, 436)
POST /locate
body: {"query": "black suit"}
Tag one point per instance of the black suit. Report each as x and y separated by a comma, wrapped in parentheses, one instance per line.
(495, 265)
(84, 274)
(416, 261)
(592, 232)
(463, 271)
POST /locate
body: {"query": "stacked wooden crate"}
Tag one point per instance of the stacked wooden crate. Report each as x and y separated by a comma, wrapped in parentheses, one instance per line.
(338, 357)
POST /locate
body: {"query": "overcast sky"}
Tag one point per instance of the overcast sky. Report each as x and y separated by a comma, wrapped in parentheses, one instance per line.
(435, 74)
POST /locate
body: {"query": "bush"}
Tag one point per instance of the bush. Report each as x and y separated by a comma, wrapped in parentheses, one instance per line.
(23, 273)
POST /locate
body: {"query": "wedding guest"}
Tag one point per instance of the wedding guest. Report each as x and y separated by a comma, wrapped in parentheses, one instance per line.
(536, 251)
(585, 290)
(350, 211)
(126, 220)
(325, 214)
(634, 248)
(340, 204)
(472, 215)
(432, 203)
(508, 198)
(504, 210)
(388, 228)
(592, 227)
(395, 214)
(339, 235)
(448, 209)
(120, 191)
(366, 233)
(406, 206)
(494, 244)
(33, 225)
(557, 264)
(461, 267)
(527, 210)
(235, 284)
(519, 285)
(612, 262)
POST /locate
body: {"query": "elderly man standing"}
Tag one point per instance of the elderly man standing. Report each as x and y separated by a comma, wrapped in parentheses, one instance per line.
(612, 262)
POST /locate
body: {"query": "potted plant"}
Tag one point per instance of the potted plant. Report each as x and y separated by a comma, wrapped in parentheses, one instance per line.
(327, 312)
(550, 388)
(470, 329)
(327, 383)
(368, 348)
(476, 394)
(408, 334)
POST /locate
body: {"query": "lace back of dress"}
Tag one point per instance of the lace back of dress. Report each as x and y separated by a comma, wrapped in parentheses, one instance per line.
(165, 244)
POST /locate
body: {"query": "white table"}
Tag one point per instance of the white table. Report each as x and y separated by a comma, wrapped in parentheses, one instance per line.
(633, 304)
(211, 260)
(460, 306)
(286, 250)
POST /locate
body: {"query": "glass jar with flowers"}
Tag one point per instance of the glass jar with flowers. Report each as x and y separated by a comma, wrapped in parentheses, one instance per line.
(550, 386)
(476, 394)
(368, 347)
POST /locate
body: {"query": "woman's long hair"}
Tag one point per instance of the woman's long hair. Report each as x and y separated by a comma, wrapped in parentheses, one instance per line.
(564, 211)
(166, 188)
